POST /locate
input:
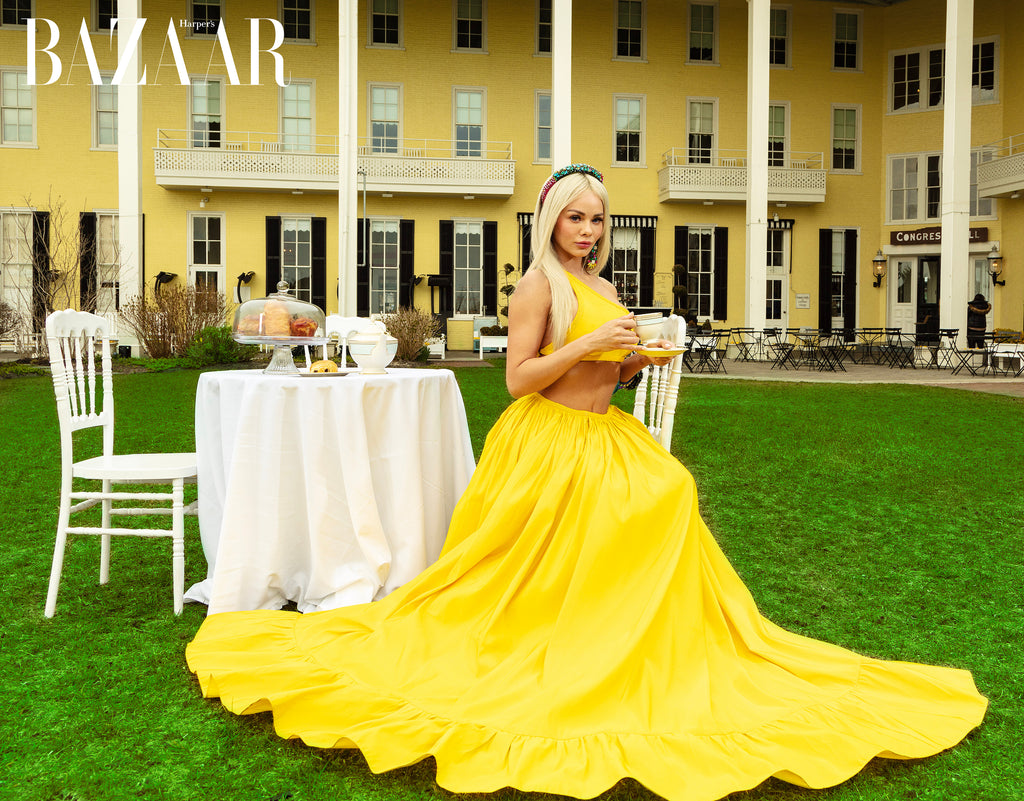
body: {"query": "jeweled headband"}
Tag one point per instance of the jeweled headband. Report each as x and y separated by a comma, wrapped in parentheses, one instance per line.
(569, 169)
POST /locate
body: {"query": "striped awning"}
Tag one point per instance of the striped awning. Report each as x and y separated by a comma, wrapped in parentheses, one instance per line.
(618, 220)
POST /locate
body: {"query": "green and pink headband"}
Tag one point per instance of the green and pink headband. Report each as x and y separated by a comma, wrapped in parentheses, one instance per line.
(569, 169)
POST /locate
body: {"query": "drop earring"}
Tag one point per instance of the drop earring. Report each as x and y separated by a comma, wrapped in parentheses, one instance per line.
(591, 260)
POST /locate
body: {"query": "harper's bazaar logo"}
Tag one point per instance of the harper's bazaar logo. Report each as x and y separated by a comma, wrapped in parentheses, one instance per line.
(170, 43)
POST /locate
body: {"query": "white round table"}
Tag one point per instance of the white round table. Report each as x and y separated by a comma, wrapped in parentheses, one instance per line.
(324, 490)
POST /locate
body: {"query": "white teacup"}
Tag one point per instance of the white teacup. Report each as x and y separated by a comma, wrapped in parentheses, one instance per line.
(648, 328)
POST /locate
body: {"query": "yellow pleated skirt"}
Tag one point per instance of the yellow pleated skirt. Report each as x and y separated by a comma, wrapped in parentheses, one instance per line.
(580, 626)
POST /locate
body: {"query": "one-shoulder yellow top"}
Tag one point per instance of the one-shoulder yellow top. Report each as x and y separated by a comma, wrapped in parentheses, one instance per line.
(592, 311)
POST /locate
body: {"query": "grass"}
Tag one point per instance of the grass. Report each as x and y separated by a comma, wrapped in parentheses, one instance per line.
(886, 519)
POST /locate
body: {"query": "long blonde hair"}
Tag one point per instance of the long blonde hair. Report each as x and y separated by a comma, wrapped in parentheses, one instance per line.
(544, 258)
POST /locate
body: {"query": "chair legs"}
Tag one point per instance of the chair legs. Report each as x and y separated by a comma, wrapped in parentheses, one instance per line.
(177, 512)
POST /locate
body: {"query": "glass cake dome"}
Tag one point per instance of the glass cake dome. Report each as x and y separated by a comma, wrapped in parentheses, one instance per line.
(281, 320)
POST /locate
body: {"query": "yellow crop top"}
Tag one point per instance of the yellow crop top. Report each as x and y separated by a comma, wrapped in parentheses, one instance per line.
(592, 310)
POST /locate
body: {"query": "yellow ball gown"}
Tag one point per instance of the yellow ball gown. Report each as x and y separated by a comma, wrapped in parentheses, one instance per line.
(580, 626)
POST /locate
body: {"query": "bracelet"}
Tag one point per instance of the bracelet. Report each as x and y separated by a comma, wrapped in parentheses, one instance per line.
(632, 383)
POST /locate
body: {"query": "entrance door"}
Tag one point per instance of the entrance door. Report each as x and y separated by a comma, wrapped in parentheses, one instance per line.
(903, 314)
(928, 299)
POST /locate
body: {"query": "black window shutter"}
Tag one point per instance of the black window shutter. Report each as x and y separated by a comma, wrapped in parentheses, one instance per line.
(825, 279)
(87, 261)
(525, 235)
(850, 280)
(362, 271)
(40, 267)
(646, 266)
(720, 287)
(273, 249)
(406, 271)
(446, 266)
(490, 267)
(318, 265)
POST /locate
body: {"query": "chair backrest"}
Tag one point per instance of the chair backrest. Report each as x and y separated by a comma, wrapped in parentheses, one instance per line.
(656, 396)
(73, 337)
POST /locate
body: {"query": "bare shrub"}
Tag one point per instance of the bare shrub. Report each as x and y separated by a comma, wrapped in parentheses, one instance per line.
(412, 328)
(168, 322)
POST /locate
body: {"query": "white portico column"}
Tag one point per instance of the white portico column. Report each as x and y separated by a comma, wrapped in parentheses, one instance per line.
(956, 167)
(131, 278)
(757, 162)
(561, 83)
(348, 92)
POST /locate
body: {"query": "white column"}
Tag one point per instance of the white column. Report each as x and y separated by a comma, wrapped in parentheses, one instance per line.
(757, 162)
(956, 167)
(348, 93)
(131, 276)
(561, 83)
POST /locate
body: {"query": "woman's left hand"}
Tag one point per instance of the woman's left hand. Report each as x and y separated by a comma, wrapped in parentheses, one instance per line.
(658, 361)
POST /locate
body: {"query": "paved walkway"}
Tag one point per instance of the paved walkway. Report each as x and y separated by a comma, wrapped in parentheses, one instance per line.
(855, 374)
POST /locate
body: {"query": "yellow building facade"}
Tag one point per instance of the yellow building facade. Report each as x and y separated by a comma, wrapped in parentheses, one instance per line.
(455, 136)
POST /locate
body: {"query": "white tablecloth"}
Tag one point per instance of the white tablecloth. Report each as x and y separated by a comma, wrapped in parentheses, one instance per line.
(326, 491)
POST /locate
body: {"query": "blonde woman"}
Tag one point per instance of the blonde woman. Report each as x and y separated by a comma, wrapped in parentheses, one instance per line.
(581, 624)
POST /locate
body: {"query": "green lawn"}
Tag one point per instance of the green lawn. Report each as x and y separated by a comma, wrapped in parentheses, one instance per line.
(887, 519)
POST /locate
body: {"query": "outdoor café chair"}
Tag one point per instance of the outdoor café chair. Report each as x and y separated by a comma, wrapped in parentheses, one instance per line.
(73, 338)
(745, 342)
(780, 348)
(945, 352)
(708, 349)
(898, 350)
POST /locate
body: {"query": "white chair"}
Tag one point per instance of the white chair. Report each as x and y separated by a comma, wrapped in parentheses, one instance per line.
(73, 338)
(658, 391)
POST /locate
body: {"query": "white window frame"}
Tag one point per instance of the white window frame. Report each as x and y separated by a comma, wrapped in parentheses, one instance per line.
(538, 158)
(713, 5)
(371, 118)
(854, 12)
(400, 44)
(96, 92)
(694, 293)
(302, 293)
(642, 116)
(983, 207)
(788, 37)
(94, 19)
(206, 79)
(203, 33)
(616, 55)
(482, 92)
(108, 271)
(456, 48)
(778, 272)
(219, 268)
(839, 259)
(626, 240)
(856, 109)
(16, 266)
(297, 147)
(312, 23)
(782, 106)
(375, 226)
(4, 71)
(550, 26)
(976, 98)
(713, 150)
(916, 188)
(466, 223)
(14, 26)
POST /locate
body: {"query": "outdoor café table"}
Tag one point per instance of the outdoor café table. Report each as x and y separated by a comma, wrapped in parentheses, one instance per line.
(1004, 352)
(326, 490)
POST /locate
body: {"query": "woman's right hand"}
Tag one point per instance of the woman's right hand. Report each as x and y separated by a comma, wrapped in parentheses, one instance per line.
(617, 334)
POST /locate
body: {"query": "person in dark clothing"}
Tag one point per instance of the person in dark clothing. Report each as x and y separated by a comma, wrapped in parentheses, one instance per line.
(976, 325)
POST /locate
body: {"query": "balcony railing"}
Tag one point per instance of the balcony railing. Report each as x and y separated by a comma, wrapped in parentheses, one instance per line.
(184, 159)
(1003, 174)
(721, 176)
(437, 166)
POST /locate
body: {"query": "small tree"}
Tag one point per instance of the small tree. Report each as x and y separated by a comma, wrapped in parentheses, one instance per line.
(506, 288)
(412, 328)
(10, 320)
